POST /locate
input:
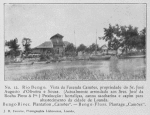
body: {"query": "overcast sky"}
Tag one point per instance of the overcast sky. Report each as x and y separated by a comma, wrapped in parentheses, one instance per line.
(41, 21)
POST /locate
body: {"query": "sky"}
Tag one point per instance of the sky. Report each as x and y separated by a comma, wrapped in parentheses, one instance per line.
(78, 23)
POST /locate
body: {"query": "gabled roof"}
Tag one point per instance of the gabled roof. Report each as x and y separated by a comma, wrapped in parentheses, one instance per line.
(47, 44)
(57, 35)
(104, 47)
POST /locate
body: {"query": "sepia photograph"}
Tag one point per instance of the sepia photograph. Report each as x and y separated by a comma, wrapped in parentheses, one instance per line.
(75, 42)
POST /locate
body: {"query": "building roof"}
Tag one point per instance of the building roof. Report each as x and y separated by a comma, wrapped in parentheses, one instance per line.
(104, 47)
(57, 35)
(47, 44)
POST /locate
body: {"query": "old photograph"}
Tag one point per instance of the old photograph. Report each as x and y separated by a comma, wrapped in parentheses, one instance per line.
(75, 42)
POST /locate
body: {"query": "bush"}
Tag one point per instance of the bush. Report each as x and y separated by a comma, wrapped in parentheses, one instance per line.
(43, 57)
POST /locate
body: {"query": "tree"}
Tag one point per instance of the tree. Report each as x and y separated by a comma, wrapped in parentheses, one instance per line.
(108, 33)
(87, 49)
(26, 42)
(93, 47)
(121, 36)
(81, 47)
(112, 34)
(70, 49)
(130, 35)
(6, 43)
(142, 39)
(13, 46)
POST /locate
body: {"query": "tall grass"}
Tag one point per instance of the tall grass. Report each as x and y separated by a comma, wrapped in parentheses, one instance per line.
(80, 73)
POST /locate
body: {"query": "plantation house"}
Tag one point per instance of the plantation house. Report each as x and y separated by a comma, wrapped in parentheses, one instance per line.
(55, 46)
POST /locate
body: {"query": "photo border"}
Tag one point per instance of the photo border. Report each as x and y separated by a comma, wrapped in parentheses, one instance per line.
(77, 4)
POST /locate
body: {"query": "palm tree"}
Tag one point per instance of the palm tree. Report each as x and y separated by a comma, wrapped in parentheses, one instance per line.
(26, 42)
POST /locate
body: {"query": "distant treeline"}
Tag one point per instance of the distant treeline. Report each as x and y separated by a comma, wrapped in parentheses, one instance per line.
(14, 46)
(125, 37)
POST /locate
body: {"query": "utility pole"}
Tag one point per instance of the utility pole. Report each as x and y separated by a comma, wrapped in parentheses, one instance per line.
(75, 40)
(96, 43)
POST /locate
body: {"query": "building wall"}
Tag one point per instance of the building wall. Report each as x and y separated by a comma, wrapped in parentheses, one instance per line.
(56, 39)
(58, 50)
(104, 51)
(36, 51)
(42, 51)
(58, 46)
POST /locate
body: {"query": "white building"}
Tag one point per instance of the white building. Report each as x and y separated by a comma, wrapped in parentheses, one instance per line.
(104, 49)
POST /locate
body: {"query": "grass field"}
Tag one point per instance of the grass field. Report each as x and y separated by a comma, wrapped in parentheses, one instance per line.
(80, 73)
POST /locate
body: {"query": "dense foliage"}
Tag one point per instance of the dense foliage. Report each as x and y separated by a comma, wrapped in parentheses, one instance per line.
(127, 37)
(81, 47)
(26, 42)
(13, 46)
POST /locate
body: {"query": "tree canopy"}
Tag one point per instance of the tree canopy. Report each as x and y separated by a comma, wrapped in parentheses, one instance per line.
(13, 46)
(26, 42)
(70, 48)
(127, 37)
(81, 47)
(93, 47)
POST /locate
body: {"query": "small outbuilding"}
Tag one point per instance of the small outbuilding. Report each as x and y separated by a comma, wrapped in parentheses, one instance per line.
(104, 49)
